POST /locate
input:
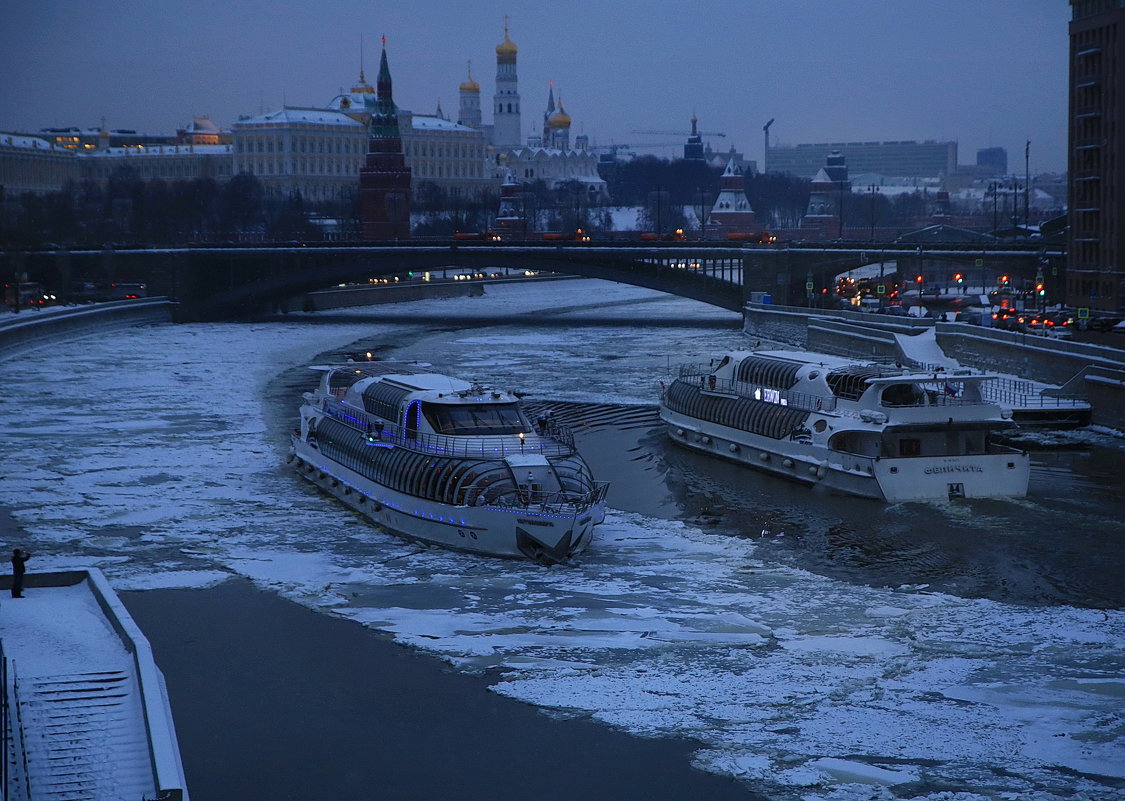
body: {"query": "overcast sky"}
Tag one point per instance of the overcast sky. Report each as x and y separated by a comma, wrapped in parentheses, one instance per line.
(981, 72)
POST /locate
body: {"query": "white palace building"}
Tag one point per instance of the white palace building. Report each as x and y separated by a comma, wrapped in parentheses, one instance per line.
(318, 152)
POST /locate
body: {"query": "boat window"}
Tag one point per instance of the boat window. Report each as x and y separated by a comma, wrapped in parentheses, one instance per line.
(411, 420)
(849, 383)
(479, 419)
(909, 447)
(903, 395)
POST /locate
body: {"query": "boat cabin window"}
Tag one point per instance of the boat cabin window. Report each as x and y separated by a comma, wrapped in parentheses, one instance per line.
(476, 419)
(903, 395)
(909, 447)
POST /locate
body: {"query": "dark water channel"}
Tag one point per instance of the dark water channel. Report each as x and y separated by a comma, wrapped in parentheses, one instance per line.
(1063, 544)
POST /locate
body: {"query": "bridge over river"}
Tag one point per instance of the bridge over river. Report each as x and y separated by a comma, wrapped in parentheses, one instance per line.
(217, 282)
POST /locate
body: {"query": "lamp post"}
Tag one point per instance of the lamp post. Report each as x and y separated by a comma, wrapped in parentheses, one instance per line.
(704, 200)
(881, 289)
(872, 189)
(992, 187)
(841, 234)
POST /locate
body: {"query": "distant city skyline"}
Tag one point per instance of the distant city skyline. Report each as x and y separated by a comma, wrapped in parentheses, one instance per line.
(983, 74)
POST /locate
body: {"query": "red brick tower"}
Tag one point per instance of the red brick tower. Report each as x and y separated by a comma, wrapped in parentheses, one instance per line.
(384, 180)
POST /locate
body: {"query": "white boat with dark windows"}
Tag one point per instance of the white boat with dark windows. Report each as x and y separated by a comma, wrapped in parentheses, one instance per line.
(873, 430)
(440, 460)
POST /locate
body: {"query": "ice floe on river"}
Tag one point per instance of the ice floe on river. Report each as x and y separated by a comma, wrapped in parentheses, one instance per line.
(151, 456)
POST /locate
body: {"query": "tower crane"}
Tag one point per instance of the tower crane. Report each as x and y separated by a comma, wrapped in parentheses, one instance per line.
(679, 133)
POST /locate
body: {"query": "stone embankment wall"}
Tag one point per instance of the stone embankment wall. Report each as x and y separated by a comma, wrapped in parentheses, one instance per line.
(345, 297)
(32, 329)
(1093, 371)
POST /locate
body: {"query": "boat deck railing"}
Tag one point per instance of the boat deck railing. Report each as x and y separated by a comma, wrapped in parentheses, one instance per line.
(551, 439)
(559, 502)
(1017, 393)
(936, 394)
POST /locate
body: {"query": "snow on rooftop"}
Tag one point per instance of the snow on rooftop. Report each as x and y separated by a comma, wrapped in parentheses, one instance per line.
(290, 114)
(160, 150)
(425, 123)
(24, 141)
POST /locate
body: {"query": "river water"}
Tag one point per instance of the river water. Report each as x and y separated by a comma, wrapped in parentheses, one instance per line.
(816, 646)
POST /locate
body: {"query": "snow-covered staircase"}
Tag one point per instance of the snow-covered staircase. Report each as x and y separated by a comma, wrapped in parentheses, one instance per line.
(83, 738)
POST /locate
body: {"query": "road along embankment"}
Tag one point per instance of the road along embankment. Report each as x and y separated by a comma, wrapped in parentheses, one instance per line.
(34, 329)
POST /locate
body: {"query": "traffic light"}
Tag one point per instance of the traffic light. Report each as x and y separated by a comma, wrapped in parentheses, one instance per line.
(917, 279)
(959, 278)
(1039, 288)
(1003, 279)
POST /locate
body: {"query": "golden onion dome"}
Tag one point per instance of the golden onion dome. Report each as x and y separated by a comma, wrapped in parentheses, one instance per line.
(469, 85)
(560, 119)
(506, 47)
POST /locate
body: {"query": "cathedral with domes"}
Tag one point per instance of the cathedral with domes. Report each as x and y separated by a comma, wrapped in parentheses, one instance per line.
(546, 154)
(319, 150)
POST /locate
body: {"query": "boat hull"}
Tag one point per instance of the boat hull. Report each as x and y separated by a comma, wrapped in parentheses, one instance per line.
(991, 475)
(542, 536)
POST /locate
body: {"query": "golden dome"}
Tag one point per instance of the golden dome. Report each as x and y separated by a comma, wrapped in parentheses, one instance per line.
(469, 85)
(560, 119)
(507, 47)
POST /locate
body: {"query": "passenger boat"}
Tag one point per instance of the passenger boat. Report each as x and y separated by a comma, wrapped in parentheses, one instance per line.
(444, 461)
(873, 430)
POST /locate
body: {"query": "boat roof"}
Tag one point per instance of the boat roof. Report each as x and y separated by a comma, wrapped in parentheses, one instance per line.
(429, 381)
(895, 374)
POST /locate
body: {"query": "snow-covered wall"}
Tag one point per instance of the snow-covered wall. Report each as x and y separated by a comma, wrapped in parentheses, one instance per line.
(40, 328)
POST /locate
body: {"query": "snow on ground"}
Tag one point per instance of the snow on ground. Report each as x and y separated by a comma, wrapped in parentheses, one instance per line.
(60, 630)
(152, 459)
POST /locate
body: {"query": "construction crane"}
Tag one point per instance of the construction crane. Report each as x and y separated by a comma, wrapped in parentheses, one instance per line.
(679, 133)
(612, 151)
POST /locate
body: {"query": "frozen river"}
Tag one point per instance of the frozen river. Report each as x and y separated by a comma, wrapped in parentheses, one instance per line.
(855, 651)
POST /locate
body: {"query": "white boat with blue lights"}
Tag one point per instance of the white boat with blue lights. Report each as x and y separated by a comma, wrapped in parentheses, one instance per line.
(873, 430)
(440, 460)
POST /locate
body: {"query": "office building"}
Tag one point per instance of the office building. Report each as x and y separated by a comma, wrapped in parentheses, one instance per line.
(1095, 272)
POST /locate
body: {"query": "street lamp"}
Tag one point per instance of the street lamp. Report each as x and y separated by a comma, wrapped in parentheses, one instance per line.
(872, 189)
(992, 187)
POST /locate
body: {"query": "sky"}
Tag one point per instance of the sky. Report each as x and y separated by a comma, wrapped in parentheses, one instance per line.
(989, 73)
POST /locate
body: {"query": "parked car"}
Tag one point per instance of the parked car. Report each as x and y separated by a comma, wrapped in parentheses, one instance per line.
(1103, 322)
(973, 317)
(1009, 320)
(894, 311)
